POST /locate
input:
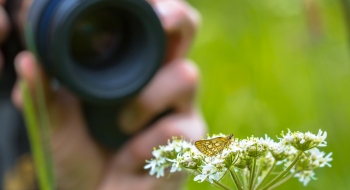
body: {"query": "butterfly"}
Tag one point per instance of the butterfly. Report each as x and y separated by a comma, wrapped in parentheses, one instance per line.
(214, 146)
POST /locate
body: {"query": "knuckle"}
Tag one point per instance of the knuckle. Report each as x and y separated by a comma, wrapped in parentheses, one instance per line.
(189, 73)
(193, 15)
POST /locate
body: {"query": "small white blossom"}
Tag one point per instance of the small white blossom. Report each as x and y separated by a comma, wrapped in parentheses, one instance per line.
(157, 152)
(324, 161)
(151, 164)
(176, 167)
(321, 138)
(211, 172)
(207, 170)
(305, 176)
(200, 177)
(254, 147)
(156, 167)
(278, 151)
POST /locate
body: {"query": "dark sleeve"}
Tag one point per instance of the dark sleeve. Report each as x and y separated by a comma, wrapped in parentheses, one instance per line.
(13, 138)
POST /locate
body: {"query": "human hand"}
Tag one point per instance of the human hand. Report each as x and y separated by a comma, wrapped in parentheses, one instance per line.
(80, 162)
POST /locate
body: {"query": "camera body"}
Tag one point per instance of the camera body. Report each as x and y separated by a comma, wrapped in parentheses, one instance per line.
(104, 51)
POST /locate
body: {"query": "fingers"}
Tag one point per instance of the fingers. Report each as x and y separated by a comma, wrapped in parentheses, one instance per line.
(24, 64)
(180, 22)
(29, 71)
(173, 87)
(133, 155)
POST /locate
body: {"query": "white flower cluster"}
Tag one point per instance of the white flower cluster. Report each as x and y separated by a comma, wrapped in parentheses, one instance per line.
(305, 141)
(310, 160)
(164, 155)
(249, 161)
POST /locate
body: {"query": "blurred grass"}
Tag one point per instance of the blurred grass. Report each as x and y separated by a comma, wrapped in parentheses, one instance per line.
(271, 65)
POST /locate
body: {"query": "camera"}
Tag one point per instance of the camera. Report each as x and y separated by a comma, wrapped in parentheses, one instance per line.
(104, 51)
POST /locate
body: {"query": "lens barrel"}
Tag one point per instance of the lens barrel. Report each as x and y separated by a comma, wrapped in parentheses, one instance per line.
(104, 51)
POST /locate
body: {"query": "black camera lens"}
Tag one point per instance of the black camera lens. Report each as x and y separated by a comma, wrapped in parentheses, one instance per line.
(96, 38)
(104, 51)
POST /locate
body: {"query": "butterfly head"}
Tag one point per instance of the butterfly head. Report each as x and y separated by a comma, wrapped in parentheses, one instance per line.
(230, 137)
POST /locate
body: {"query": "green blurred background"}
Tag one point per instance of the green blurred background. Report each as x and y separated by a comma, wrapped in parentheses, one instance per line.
(269, 65)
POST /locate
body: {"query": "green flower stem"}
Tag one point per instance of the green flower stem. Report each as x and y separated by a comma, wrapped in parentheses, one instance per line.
(244, 177)
(44, 127)
(252, 174)
(282, 181)
(296, 159)
(267, 174)
(222, 186)
(257, 172)
(235, 178)
(35, 139)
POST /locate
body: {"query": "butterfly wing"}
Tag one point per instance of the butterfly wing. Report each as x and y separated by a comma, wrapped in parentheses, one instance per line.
(211, 147)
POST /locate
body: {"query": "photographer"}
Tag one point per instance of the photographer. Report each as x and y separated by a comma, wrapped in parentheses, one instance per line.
(80, 162)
